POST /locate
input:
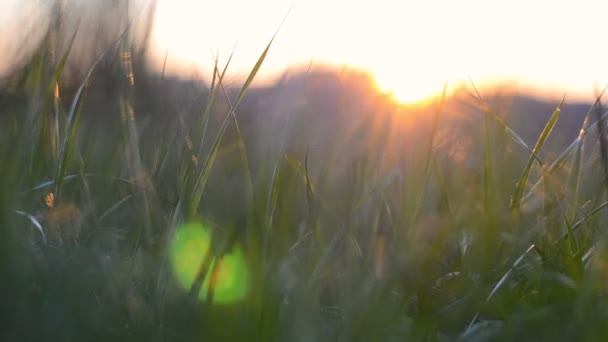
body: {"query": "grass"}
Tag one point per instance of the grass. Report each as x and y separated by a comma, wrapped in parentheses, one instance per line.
(381, 242)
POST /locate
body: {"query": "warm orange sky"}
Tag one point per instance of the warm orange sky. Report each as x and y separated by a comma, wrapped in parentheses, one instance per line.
(412, 47)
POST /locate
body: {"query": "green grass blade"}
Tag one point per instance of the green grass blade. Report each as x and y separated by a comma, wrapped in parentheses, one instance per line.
(523, 179)
(194, 157)
(48, 140)
(487, 157)
(312, 225)
(71, 124)
(302, 172)
(216, 80)
(298, 166)
(500, 122)
(574, 178)
(507, 274)
(203, 176)
(571, 238)
(253, 74)
(601, 127)
(429, 156)
(444, 189)
(487, 165)
(378, 188)
(34, 222)
(240, 146)
(273, 193)
(501, 282)
(560, 160)
(580, 222)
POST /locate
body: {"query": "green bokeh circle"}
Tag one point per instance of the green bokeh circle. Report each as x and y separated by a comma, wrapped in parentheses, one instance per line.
(187, 250)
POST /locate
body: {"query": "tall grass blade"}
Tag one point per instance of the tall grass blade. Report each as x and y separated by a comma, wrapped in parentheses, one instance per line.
(571, 238)
(71, 124)
(312, 225)
(560, 160)
(273, 191)
(574, 178)
(487, 157)
(500, 122)
(194, 157)
(216, 80)
(300, 168)
(46, 184)
(273, 194)
(487, 165)
(580, 222)
(34, 222)
(429, 155)
(46, 138)
(523, 179)
(113, 207)
(378, 188)
(203, 176)
(240, 146)
(201, 273)
(601, 127)
(501, 282)
(444, 189)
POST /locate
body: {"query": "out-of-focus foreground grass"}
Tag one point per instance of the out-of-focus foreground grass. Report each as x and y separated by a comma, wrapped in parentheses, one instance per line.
(390, 230)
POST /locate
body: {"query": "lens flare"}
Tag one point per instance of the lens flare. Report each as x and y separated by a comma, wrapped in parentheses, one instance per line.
(188, 248)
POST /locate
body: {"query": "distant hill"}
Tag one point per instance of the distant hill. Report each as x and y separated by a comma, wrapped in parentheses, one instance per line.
(323, 110)
(526, 115)
(346, 108)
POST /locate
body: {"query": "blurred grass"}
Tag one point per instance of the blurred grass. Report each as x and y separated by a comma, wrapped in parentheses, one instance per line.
(356, 237)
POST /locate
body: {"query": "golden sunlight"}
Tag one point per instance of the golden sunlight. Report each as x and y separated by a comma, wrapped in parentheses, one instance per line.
(410, 91)
(411, 47)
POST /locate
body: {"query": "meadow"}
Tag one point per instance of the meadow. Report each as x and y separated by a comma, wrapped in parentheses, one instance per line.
(137, 207)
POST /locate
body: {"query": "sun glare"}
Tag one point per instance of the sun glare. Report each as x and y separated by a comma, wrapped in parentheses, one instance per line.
(409, 94)
(410, 90)
(412, 48)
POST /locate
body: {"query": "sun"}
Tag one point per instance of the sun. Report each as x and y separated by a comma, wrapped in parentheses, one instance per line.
(410, 91)
(407, 96)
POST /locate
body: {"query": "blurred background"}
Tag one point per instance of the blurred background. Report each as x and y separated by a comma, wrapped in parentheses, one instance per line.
(302, 170)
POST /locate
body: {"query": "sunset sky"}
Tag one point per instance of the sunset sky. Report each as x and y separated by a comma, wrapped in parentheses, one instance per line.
(412, 47)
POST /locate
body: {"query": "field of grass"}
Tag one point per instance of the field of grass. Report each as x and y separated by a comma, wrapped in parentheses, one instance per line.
(121, 229)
